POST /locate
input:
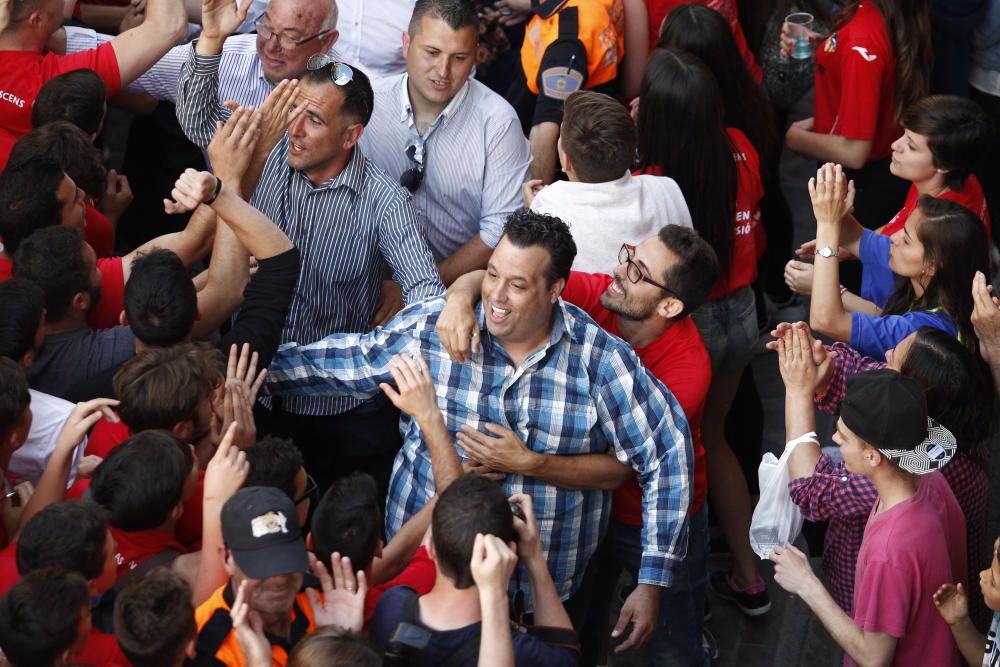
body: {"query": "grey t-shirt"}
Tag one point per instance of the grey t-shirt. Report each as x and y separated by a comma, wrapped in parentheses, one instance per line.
(71, 357)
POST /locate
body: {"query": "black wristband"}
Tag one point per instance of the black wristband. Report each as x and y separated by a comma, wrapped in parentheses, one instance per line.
(215, 195)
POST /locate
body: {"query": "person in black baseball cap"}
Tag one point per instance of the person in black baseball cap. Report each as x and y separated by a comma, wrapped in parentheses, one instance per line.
(266, 559)
(888, 411)
(914, 538)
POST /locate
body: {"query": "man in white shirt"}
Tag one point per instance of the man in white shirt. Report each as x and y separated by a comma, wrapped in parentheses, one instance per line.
(371, 32)
(454, 143)
(602, 201)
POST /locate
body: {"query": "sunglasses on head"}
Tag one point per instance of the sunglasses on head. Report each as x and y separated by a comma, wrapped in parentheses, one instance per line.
(416, 150)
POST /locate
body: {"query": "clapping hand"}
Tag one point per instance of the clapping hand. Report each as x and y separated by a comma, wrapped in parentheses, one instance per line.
(831, 194)
(986, 317)
(952, 603)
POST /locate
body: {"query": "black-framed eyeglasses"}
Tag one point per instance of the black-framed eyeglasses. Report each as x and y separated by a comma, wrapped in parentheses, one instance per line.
(416, 150)
(287, 42)
(310, 491)
(634, 273)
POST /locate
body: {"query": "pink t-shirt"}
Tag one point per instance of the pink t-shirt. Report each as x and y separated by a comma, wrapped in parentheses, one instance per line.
(908, 551)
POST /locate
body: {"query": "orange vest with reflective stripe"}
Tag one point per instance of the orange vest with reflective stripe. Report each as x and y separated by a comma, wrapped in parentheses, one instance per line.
(601, 30)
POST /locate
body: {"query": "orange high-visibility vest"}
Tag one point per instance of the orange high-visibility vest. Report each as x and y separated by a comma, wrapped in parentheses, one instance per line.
(599, 26)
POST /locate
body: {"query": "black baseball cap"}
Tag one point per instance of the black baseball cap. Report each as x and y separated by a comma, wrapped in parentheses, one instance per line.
(889, 411)
(260, 526)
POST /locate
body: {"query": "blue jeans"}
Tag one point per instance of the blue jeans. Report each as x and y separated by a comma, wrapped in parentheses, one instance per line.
(677, 637)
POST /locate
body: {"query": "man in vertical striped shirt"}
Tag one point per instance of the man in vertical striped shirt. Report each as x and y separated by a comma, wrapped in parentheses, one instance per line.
(456, 144)
(352, 224)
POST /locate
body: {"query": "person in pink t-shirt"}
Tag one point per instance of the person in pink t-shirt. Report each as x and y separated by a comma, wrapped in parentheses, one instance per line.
(915, 537)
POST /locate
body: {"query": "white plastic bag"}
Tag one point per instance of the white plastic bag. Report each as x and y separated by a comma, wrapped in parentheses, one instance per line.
(776, 519)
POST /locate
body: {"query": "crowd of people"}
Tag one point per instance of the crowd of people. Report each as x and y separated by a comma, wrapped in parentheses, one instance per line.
(421, 332)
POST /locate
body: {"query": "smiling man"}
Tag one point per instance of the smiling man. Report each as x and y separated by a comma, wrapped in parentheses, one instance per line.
(454, 143)
(545, 375)
(352, 223)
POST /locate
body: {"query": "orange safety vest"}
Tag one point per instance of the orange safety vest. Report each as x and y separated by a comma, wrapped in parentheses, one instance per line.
(217, 640)
(601, 31)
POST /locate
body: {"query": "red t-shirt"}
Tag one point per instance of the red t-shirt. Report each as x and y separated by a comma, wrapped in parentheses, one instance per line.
(25, 72)
(9, 574)
(419, 574)
(856, 82)
(970, 196)
(99, 233)
(749, 241)
(6, 269)
(7, 141)
(678, 359)
(105, 436)
(134, 547)
(659, 9)
(101, 649)
(109, 307)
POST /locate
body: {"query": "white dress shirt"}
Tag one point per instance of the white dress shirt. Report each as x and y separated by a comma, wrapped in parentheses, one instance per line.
(371, 35)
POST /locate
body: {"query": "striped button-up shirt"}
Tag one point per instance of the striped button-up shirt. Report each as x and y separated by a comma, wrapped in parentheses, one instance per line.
(346, 229)
(582, 392)
(476, 160)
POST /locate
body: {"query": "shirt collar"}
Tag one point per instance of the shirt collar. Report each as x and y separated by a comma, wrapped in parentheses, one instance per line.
(406, 109)
(561, 327)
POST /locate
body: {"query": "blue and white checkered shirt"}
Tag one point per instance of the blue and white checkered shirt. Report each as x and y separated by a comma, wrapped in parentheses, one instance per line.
(581, 391)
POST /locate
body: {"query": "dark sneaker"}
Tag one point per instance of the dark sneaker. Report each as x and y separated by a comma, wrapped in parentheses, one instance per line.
(709, 646)
(753, 601)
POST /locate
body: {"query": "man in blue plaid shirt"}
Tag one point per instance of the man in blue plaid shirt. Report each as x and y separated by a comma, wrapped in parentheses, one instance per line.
(544, 375)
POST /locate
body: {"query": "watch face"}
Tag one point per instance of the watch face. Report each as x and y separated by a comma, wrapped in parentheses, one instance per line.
(826, 252)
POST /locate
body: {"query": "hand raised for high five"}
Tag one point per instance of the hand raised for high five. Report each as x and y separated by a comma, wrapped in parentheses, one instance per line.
(831, 194)
(233, 144)
(221, 18)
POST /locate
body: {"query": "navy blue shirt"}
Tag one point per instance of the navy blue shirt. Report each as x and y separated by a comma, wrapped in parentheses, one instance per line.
(528, 651)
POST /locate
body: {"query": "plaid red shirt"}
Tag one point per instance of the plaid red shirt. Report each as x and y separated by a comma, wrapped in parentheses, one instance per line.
(846, 500)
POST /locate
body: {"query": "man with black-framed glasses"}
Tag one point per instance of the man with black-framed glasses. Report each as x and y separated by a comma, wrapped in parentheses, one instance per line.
(646, 301)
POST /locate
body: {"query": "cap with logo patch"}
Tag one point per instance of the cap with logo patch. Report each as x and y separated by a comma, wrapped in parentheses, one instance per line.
(889, 411)
(260, 527)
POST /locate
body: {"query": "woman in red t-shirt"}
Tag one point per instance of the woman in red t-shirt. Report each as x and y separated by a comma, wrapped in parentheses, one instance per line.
(682, 134)
(874, 64)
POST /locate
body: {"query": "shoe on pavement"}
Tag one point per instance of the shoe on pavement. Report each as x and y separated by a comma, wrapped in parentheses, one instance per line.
(753, 601)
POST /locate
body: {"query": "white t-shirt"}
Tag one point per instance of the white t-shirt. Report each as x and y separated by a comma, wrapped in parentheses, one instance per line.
(991, 656)
(48, 414)
(602, 216)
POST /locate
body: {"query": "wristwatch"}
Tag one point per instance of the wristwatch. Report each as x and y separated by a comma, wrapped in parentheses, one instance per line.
(826, 251)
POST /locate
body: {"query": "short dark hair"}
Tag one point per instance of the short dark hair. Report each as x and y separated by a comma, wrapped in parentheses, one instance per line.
(154, 619)
(21, 305)
(22, 9)
(598, 136)
(142, 479)
(525, 228)
(331, 646)
(28, 200)
(14, 396)
(40, 616)
(697, 268)
(52, 258)
(70, 147)
(457, 14)
(71, 534)
(161, 302)
(274, 462)
(77, 96)
(347, 520)
(359, 99)
(957, 131)
(159, 387)
(470, 505)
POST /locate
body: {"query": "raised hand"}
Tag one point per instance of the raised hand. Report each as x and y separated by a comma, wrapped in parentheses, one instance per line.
(492, 563)
(227, 470)
(233, 144)
(190, 190)
(249, 628)
(82, 419)
(116, 197)
(221, 18)
(343, 602)
(831, 194)
(796, 363)
(529, 542)
(986, 316)
(277, 112)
